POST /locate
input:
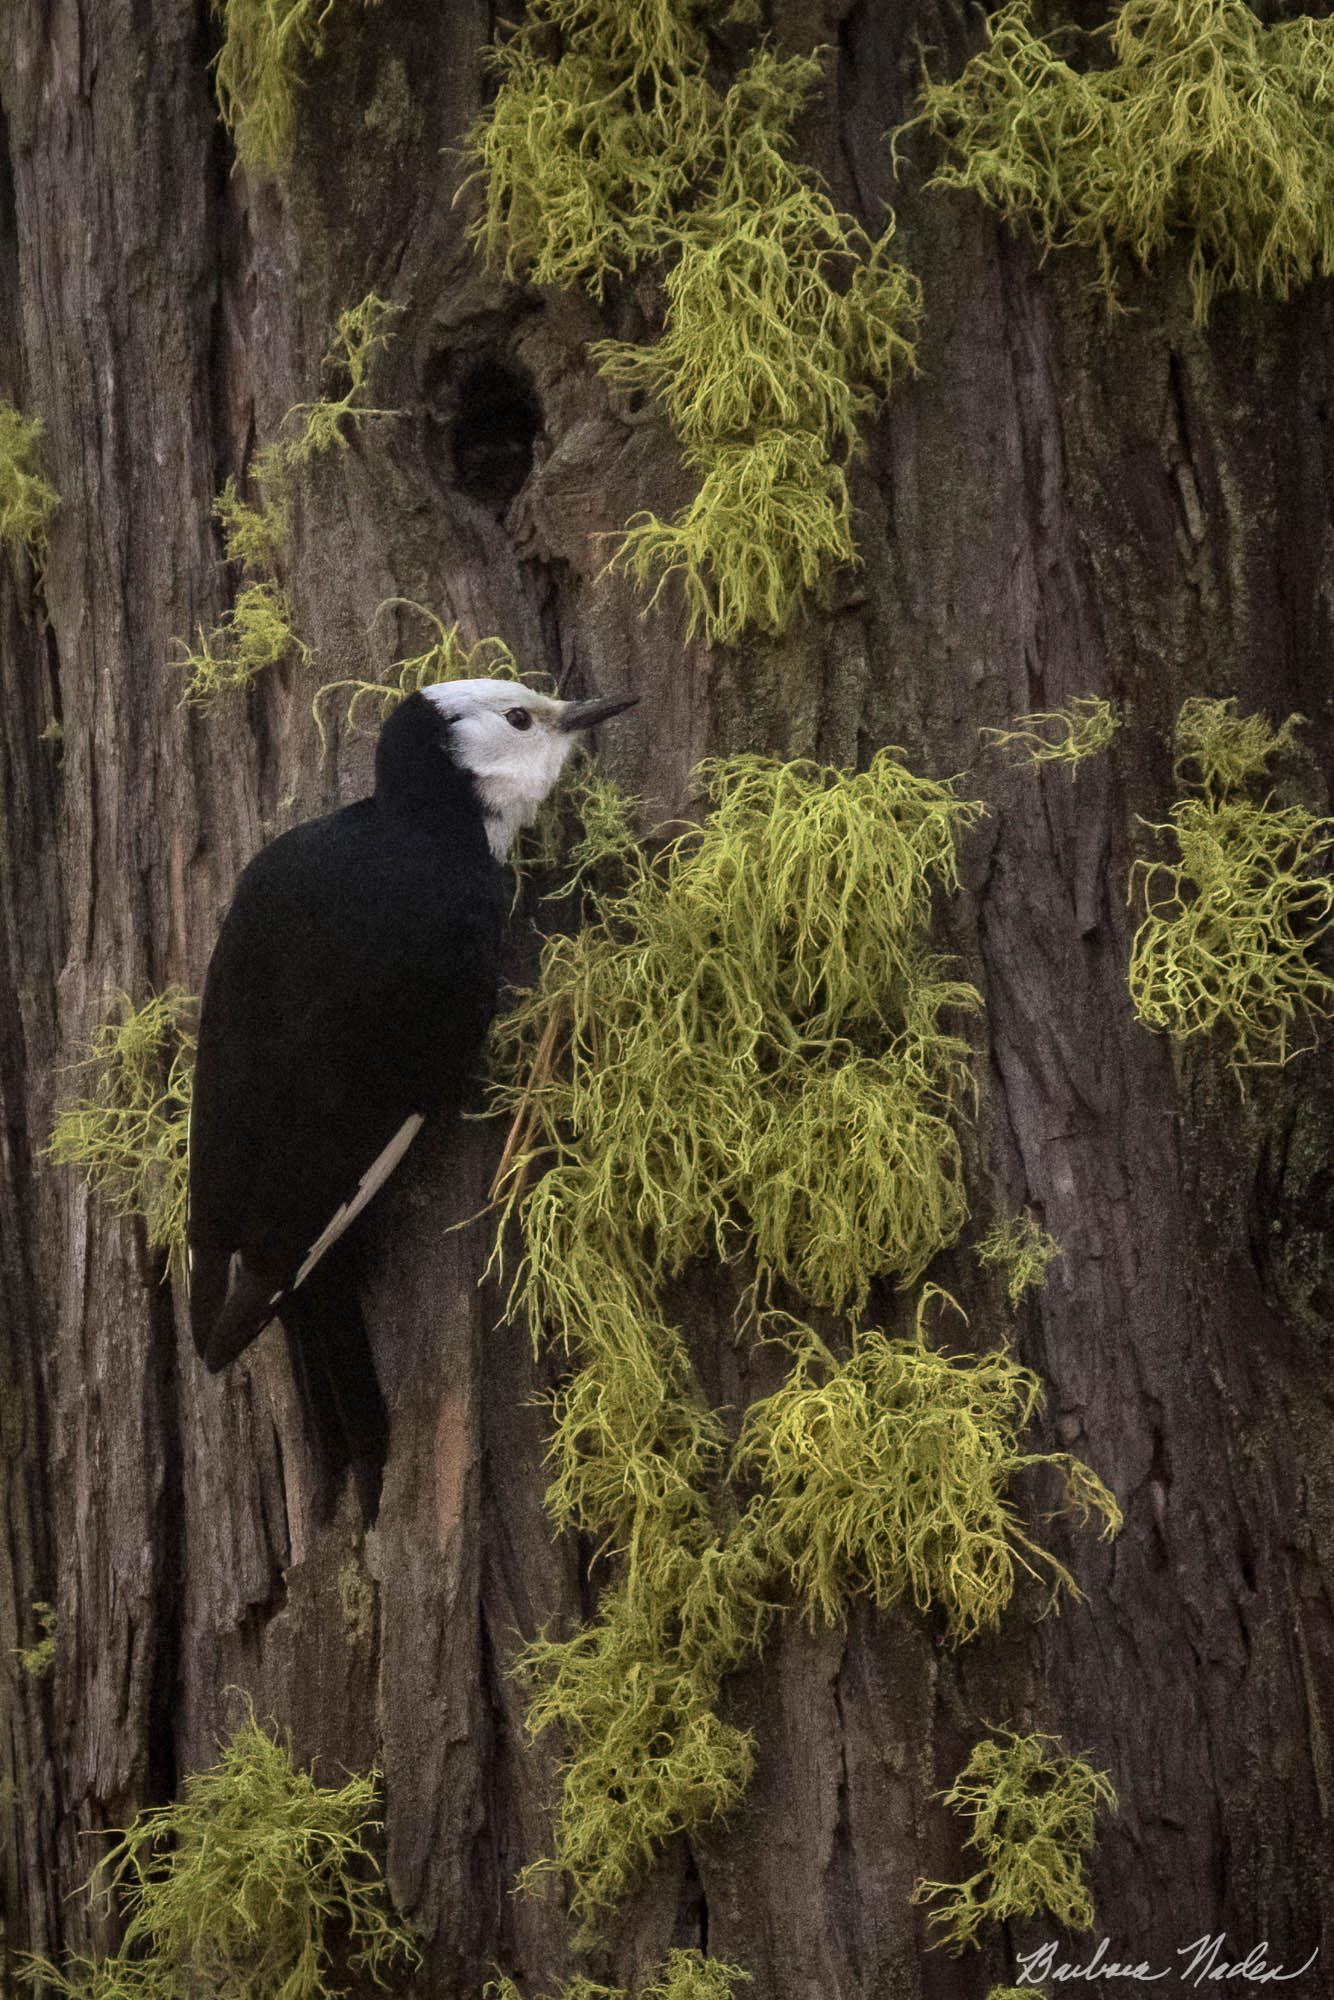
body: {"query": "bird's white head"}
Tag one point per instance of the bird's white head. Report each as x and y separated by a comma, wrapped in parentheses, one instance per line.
(514, 743)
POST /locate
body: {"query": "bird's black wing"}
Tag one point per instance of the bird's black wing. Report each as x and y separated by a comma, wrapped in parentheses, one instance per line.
(346, 1001)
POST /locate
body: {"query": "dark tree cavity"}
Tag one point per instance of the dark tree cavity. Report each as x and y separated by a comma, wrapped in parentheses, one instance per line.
(493, 433)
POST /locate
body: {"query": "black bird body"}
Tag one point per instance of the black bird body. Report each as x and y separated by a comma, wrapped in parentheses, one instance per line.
(347, 1000)
(350, 989)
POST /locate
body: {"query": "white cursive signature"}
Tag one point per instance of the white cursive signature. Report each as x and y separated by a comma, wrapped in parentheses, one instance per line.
(1205, 1959)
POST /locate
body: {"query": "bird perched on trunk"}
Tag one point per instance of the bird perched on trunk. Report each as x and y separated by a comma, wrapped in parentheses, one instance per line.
(346, 1003)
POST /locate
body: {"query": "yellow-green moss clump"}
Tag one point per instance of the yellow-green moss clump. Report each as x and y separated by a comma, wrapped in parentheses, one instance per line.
(784, 321)
(1066, 735)
(685, 1975)
(887, 1476)
(244, 1888)
(785, 324)
(1219, 751)
(38, 1659)
(633, 1697)
(129, 1134)
(1021, 1249)
(586, 157)
(254, 531)
(26, 501)
(1032, 1808)
(743, 1056)
(266, 45)
(1233, 921)
(1207, 128)
(732, 1014)
(254, 634)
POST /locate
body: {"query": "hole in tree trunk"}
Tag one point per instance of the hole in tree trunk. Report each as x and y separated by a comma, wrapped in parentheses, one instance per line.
(496, 420)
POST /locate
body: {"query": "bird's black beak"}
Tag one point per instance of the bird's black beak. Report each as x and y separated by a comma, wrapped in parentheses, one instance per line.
(584, 714)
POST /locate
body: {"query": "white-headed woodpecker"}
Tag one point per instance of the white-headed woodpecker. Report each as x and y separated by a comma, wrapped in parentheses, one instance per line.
(346, 1002)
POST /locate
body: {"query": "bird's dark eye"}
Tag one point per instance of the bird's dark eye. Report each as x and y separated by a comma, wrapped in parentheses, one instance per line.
(519, 718)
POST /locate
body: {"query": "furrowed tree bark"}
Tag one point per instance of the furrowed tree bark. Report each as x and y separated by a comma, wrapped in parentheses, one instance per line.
(1060, 503)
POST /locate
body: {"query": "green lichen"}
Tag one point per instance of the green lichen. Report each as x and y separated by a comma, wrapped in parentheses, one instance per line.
(1232, 922)
(685, 1975)
(1083, 728)
(1220, 751)
(886, 1476)
(633, 1699)
(1207, 128)
(254, 635)
(770, 966)
(266, 46)
(361, 333)
(770, 517)
(254, 531)
(38, 1659)
(26, 501)
(1020, 1248)
(244, 1888)
(691, 1975)
(784, 321)
(128, 1135)
(365, 704)
(1032, 1808)
(785, 324)
(604, 848)
(586, 159)
(742, 1055)
(782, 314)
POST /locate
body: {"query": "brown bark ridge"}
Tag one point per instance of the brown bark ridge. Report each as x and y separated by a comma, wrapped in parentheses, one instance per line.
(1060, 503)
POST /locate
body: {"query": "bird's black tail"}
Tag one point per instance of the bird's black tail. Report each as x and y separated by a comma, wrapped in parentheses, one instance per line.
(346, 1421)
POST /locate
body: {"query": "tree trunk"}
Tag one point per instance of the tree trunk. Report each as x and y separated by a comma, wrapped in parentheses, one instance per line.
(1061, 503)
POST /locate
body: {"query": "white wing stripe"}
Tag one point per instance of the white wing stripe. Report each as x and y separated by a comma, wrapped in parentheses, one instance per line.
(374, 1178)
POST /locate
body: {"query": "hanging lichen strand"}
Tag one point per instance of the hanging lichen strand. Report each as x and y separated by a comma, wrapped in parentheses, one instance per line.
(26, 501)
(254, 1885)
(265, 47)
(1208, 129)
(743, 1055)
(1032, 1808)
(128, 1133)
(784, 323)
(1233, 923)
(366, 704)
(1082, 729)
(256, 632)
